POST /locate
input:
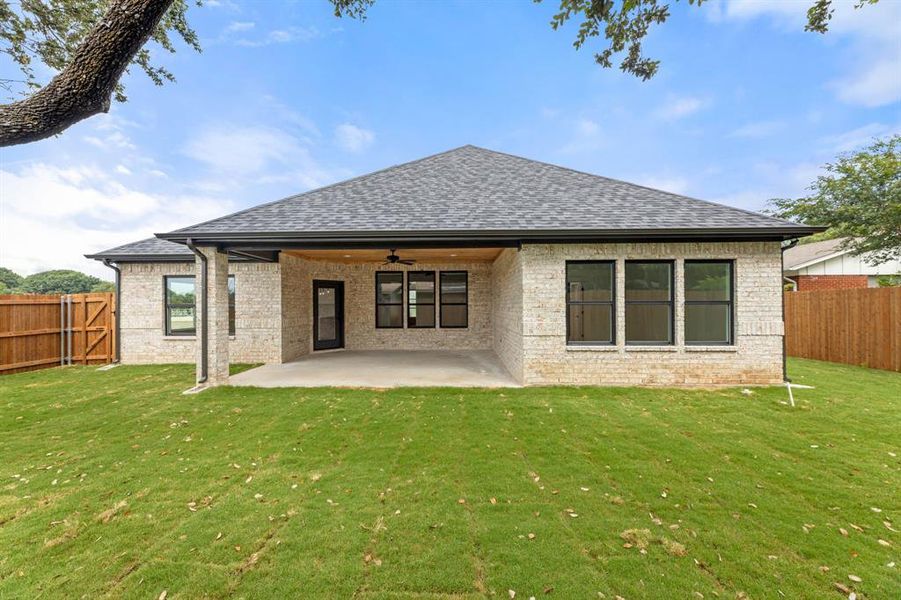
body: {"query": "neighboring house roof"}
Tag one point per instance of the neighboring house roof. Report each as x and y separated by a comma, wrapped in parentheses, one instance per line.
(804, 255)
(481, 196)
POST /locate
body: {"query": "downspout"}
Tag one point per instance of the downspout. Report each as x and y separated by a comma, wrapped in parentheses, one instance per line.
(789, 246)
(204, 335)
(118, 348)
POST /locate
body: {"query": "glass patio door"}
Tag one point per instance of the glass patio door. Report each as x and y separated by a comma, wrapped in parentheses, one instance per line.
(328, 315)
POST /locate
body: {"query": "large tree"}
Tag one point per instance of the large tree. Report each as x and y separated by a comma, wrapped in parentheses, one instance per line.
(92, 42)
(61, 281)
(859, 196)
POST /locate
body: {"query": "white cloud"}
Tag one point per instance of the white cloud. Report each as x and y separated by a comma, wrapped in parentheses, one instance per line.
(123, 170)
(286, 35)
(873, 77)
(758, 129)
(679, 107)
(51, 216)
(876, 85)
(236, 26)
(238, 155)
(857, 138)
(587, 127)
(353, 138)
(243, 150)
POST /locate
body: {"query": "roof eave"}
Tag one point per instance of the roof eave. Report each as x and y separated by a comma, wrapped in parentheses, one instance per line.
(510, 237)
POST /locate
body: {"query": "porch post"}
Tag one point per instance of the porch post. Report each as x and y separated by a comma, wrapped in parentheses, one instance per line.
(216, 303)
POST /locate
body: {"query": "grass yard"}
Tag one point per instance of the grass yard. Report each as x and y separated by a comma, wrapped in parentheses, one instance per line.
(114, 484)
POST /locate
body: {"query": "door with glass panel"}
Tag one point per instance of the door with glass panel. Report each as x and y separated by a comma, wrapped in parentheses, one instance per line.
(328, 315)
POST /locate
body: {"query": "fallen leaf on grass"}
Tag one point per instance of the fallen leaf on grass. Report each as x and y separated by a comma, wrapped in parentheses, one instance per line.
(109, 513)
(885, 543)
(855, 578)
(163, 595)
(493, 500)
(673, 548)
(843, 531)
(842, 587)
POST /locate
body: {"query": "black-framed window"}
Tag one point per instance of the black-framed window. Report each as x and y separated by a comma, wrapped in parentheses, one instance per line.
(590, 302)
(420, 299)
(181, 305)
(454, 295)
(709, 301)
(649, 302)
(389, 299)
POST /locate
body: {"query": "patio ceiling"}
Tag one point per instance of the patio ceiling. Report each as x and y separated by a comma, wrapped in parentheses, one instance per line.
(422, 255)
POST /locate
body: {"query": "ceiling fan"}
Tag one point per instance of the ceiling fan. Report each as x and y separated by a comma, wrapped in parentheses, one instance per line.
(394, 259)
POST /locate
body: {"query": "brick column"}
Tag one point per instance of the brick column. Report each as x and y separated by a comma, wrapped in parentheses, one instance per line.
(679, 304)
(217, 317)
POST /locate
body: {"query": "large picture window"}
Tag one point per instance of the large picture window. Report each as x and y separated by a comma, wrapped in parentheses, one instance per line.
(708, 302)
(454, 299)
(649, 302)
(590, 294)
(181, 305)
(389, 299)
(420, 299)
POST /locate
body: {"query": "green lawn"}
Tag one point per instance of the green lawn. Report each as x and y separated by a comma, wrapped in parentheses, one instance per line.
(115, 484)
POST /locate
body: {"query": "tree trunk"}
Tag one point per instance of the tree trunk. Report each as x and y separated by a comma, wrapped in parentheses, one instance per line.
(84, 88)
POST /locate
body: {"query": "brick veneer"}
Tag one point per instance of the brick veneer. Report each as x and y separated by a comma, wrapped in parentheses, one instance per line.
(756, 357)
(516, 307)
(830, 282)
(257, 314)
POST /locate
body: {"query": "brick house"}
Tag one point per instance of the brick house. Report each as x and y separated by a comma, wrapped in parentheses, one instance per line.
(565, 277)
(827, 265)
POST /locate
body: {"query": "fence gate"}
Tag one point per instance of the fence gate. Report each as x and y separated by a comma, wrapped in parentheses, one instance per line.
(37, 332)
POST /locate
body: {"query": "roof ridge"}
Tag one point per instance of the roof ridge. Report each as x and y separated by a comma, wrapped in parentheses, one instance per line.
(319, 189)
(629, 183)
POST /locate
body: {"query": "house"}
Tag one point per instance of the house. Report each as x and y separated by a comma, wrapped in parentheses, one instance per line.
(566, 277)
(827, 265)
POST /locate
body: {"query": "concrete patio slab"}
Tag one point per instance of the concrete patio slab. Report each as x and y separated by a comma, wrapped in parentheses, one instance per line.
(383, 369)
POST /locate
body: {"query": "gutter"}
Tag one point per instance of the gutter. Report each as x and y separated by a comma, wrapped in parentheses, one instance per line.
(788, 246)
(118, 349)
(204, 336)
(277, 239)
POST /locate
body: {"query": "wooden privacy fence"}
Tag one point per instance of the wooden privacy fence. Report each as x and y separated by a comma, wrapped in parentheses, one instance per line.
(857, 326)
(37, 332)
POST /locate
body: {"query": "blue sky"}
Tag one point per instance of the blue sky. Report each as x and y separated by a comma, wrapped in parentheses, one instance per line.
(285, 97)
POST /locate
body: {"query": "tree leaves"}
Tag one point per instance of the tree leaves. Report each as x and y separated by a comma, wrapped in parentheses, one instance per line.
(858, 197)
(51, 31)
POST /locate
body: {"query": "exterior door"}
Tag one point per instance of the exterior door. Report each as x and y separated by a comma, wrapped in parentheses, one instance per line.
(328, 315)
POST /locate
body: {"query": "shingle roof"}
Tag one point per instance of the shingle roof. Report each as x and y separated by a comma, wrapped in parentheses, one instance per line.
(472, 192)
(804, 253)
(151, 247)
(474, 189)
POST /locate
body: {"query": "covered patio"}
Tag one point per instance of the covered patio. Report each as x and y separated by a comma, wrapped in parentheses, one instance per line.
(383, 369)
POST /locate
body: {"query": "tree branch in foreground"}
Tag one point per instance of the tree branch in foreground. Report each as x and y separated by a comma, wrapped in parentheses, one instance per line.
(84, 88)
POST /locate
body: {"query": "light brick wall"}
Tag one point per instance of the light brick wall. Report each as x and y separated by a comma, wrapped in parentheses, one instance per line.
(257, 314)
(756, 357)
(506, 311)
(360, 332)
(516, 307)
